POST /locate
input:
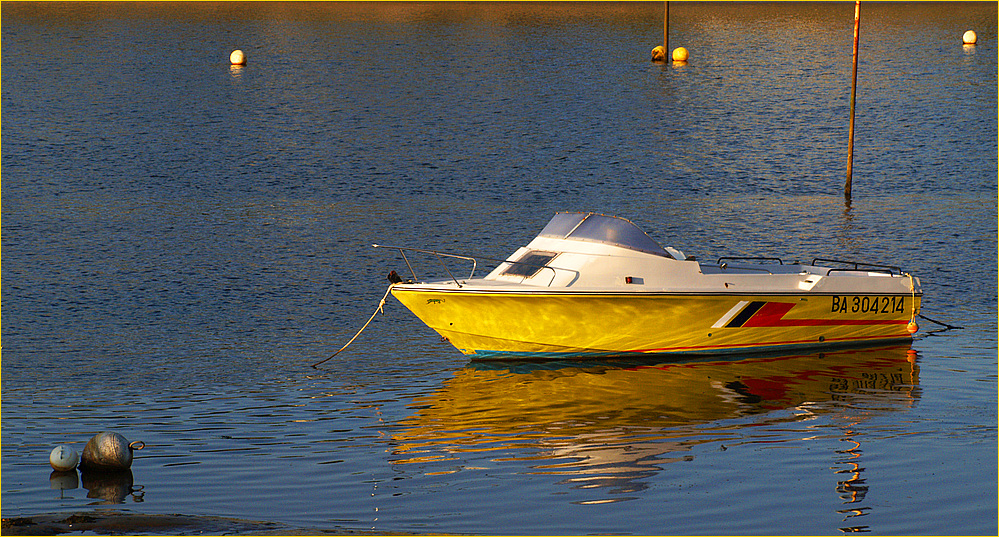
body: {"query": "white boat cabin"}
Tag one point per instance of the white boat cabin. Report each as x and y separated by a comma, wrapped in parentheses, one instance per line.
(591, 251)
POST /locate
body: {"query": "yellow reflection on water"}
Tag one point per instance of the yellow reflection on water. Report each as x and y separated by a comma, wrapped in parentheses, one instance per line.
(614, 423)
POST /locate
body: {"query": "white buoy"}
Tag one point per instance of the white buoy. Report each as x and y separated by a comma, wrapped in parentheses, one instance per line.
(680, 54)
(970, 37)
(237, 57)
(63, 458)
(108, 451)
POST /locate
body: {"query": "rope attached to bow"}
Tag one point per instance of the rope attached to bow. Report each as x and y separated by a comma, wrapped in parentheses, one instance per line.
(381, 304)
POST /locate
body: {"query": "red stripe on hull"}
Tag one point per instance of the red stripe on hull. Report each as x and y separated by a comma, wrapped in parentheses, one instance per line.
(772, 315)
(766, 344)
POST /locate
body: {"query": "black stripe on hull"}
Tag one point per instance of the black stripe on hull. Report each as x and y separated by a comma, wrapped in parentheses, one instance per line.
(745, 314)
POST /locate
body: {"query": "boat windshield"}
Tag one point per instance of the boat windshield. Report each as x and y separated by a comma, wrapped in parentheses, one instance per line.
(601, 228)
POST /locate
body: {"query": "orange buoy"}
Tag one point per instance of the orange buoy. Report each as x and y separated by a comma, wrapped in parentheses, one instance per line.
(912, 327)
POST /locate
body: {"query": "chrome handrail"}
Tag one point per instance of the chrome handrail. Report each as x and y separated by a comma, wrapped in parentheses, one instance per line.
(543, 267)
(891, 269)
(726, 266)
(435, 253)
(467, 258)
(777, 259)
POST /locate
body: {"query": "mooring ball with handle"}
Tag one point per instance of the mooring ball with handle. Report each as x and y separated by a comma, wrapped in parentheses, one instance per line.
(109, 451)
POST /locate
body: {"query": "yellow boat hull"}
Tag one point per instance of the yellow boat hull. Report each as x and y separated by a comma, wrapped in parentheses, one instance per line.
(500, 324)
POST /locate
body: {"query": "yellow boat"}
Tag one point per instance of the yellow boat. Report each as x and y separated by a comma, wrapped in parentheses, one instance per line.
(594, 285)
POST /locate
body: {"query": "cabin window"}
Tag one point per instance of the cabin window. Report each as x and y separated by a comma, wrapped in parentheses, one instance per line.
(616, 231)
(562, 224)
(601, 228)
(530, 264)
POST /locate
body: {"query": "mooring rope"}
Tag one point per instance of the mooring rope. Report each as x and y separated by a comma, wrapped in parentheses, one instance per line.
(912, 289)
(381, 304)
(945, 325)
(912, 318)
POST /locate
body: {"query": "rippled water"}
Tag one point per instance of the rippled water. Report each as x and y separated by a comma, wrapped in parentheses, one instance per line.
(184, 238)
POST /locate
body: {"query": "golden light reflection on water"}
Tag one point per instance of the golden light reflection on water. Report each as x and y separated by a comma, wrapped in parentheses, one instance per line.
(616, 424)
(853, 489)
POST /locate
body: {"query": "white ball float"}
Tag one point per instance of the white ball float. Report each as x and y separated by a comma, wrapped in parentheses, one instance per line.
(237, 57)
(109, 451)
(970, 37)
(63, 458)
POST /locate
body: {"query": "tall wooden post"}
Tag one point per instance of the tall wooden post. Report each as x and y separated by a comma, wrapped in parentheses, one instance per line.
(666, 29)
(848, 189)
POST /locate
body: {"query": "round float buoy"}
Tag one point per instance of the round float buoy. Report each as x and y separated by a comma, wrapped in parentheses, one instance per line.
(659, 54)
(970, 37)
(109, 451)
(912, 327)
(237, 57)
(680, 54)
(63, 458)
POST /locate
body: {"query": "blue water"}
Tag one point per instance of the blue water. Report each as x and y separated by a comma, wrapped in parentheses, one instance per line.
(183, 238)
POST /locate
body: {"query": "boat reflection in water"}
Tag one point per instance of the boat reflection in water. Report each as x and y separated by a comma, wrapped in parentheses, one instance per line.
(616, 423)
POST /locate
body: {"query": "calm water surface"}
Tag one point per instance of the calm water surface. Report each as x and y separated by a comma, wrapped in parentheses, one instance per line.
(182, 239)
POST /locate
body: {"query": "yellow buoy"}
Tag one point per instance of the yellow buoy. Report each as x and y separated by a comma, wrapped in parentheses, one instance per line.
(237, 57)
(659, 54)
(680, 54)
(970, 37)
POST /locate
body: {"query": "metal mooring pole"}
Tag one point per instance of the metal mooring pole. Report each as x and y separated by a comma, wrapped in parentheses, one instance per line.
(848, 189)
(666, 29)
